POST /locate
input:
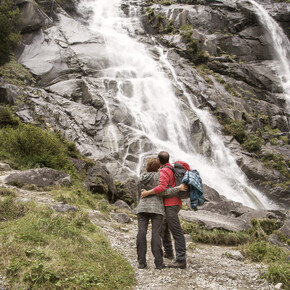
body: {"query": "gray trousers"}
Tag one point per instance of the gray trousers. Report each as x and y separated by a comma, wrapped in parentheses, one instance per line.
(156, 248)
(171, 224)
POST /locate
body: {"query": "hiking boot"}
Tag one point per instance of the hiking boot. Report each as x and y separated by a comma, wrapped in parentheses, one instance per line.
(168, 256)
(176, 264)
(160, 267)
(142, 266)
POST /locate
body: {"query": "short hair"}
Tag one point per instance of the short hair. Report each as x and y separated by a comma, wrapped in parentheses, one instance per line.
(153, 164)
(163, 157)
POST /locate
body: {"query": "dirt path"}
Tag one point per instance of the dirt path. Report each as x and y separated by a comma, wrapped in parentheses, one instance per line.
(209, 267)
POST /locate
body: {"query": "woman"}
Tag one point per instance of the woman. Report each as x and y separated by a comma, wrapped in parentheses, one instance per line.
(152, 208)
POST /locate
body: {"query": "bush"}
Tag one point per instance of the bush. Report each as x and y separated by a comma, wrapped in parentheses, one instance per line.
(30, 146)
(7, 118)
(237, 130)
(9, 36)
(253, 143)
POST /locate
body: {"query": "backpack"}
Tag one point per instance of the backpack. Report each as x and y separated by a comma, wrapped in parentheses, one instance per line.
(183, 174)
(179, 168)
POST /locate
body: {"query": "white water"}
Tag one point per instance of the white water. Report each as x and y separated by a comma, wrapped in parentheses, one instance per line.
(280, 45)
(157, 111)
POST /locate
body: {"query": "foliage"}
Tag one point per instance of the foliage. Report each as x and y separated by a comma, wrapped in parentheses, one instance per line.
(253, 143)
(6, 192)
(278, 272)
(14, 73)
(277, 162)
(47, 250)
(9, 36)
(9, 210)
(261, 251)
(194, 52)
(29, 146)
(236, 129)
(7, 118)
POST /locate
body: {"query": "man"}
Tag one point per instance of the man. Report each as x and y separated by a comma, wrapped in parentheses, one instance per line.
(172, 207)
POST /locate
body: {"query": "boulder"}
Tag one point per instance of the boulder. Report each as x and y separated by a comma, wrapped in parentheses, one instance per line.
(99, 180)
(212, 220)
(32, 18)
(41, 177)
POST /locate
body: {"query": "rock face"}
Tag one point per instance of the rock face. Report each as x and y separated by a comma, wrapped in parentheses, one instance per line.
(233, 77)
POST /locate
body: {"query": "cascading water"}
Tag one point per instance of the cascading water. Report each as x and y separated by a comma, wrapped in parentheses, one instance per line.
(155, 109)
(280, 45)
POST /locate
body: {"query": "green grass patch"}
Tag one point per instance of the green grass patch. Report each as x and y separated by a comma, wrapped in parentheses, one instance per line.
(47, 250)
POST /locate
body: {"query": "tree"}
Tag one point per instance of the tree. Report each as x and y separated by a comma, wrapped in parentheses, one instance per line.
(9, 34)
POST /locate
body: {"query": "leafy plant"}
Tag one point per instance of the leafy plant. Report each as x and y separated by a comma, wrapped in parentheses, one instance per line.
(9, 36)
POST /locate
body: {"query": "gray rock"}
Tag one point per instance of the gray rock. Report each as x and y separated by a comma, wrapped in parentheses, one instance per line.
(4, 166)
(64, 208)
(41, 177)
(212, 220)
(32, 18)
(122, 204)
(121, 217)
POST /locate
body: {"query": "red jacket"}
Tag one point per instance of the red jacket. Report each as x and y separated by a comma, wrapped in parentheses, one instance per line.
(166, 177)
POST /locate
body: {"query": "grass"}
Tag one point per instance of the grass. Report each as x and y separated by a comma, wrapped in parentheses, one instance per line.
(42, 249)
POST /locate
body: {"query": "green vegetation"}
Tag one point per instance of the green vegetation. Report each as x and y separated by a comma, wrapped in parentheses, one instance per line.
(277, 162)
(252, 243)
(9, 35)
(253, 143)
(14, 73)
(193, 52)
(42, 249)
(28, 146)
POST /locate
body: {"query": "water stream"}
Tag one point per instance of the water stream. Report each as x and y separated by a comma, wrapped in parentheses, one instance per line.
(157, 111)
(280, 47)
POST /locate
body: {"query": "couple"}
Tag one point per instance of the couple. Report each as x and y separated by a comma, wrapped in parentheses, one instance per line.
(158, 197)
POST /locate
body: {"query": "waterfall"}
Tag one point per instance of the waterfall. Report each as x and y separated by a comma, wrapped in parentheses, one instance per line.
(157, 111)
(280, 45)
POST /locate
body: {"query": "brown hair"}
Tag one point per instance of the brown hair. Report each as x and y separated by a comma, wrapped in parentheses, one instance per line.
(153, 164)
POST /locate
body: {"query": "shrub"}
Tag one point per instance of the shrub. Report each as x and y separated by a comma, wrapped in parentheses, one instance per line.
(236, 129)
(7, 118)
(253, 143)
(29, 146)
(9, 36)
(276, 161)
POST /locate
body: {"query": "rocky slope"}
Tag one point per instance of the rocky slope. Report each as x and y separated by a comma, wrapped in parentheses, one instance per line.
(230, 73)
